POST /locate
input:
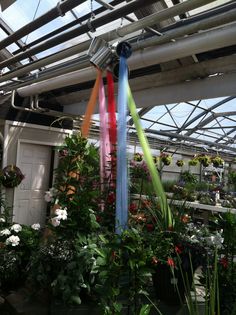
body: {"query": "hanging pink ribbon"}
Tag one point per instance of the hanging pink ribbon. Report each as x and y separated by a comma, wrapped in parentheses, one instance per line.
(104, 136)
(112, 124)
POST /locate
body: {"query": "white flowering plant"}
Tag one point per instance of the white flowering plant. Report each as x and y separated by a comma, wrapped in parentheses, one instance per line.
(17, 243)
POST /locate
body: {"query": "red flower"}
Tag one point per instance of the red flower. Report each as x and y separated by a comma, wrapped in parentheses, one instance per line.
(98, 218)
(224, 262)
(113, 255)
(170, 262)
(178, 249)
(111, 198)
(150, 227)
(133, 208)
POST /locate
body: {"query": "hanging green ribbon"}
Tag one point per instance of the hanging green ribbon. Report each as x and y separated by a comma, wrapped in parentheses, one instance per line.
(159, 191)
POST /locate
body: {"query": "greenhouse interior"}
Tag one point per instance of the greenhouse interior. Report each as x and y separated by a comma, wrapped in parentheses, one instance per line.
(118, 157)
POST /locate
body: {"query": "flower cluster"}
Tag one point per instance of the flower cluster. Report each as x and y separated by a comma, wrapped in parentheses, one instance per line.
(200, 234)
(8, 234)
(61, 214)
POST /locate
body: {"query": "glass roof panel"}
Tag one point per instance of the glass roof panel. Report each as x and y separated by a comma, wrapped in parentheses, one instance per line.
(208, 6)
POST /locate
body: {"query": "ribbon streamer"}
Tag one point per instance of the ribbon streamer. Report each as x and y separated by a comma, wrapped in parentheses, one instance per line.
(104, 136)
(122, 174)
(111, 109)
(166, 212)
(91, 106)
(112, 125)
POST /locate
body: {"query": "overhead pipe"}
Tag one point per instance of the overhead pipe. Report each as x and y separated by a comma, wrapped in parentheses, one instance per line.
(65, 27)
(34, 108)
(195, 44)
(77, 65)
(201, 42)
(111, 35)
(86, 27)
(207, 23)
(200, 16)
(59, 10)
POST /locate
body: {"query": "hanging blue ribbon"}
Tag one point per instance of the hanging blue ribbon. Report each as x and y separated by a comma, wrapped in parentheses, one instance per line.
(122, 173)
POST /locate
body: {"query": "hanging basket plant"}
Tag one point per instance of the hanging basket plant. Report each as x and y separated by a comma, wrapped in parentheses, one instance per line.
(155, 159)
(217, 161)
(11, 176)
(193, 162)
(205, 160)
(180, 163)
(138, 157)
(166, 158)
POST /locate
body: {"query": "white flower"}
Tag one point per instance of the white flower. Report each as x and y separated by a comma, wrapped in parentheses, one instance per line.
(55, 221)
(215, 240)
(13, 240)
(194, 239)
(5, 232)
(2, 220)
(61, 214)
(35, 226)
(16, 227)
(50, 194)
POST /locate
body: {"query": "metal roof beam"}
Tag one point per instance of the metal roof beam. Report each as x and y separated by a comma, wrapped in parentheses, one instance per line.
(210, 119)
(190, 139)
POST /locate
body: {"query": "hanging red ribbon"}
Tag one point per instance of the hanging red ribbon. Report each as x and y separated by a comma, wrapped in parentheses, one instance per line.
(111, 108)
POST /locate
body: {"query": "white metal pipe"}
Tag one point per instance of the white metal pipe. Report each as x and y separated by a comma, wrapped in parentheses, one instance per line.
(194, 71)
(212, 87)
(214, 39)
(191, 45)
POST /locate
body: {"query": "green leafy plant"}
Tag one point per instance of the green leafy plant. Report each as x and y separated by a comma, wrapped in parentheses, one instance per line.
(204, 159)
(123, 273)
(217, 161)
(165, 158)
(188, 177)
(193, 162)
(180, 163)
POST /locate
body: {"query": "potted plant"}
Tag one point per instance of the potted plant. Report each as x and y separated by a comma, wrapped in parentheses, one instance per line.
(193, 162)
(217, 161)
(11, 176)
(138, 157)
(166, 158)
(18, 242)
(180, 163)
(204, 159)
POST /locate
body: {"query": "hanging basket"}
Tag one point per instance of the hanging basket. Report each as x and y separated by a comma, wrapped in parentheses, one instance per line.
(180, 163)
(217, 161)
(166, 158)
(11, 176)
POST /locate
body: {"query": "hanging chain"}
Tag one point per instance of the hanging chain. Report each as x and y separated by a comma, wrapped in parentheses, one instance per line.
(91, 10)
